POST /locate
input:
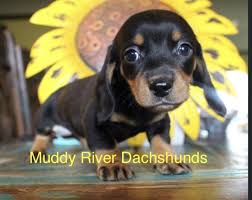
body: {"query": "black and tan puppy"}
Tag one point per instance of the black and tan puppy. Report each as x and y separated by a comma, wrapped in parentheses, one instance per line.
(147, 72)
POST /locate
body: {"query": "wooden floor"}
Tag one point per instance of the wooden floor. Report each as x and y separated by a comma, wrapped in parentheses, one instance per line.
(225, 176)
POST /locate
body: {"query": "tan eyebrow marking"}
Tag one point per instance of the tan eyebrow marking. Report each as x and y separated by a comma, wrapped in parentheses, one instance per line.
(138, 39)
(176, 35)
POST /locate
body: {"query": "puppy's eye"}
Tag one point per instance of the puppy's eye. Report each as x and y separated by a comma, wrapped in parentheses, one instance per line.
(131, 55)
(184, 49)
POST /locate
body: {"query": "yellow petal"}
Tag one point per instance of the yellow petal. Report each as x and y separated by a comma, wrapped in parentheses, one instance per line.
(220, 79)
(60, 75)
(214, 39)
(37, 65)
(187, 5)
(64, 13)
(51, 48)
(223, 57)
(137, 140)
(221, 51)
(207, 21)
(43, 61)
(49, 17)
(48, 42)
(188, 118)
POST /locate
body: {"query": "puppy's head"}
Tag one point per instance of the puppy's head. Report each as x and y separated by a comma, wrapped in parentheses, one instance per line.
(159, 56)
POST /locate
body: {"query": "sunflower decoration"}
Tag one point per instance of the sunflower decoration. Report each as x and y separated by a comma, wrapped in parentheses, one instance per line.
(82, 30)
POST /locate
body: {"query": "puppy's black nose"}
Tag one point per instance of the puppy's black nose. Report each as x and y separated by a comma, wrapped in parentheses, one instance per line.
(161, 87)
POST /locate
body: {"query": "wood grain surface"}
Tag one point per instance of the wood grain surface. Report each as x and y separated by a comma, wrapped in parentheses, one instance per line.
(225, 176)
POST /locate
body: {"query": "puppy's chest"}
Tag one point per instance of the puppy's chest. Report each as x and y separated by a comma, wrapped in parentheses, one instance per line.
(121, 126)
(135, 120)
(121, 131)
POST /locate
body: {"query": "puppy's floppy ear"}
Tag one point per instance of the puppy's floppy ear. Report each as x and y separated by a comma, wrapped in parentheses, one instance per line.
(105, 99)
(202, 79)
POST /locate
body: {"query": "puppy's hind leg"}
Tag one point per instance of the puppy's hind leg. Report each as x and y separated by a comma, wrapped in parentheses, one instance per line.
(42, 141)
(43, 125)
(40, 144)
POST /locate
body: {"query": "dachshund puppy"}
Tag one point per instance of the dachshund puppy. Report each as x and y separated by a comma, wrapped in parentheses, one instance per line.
(147, 72)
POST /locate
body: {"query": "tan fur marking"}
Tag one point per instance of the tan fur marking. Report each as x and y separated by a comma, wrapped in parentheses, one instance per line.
(187, 78)
(117, 117)
(133, 87)
(121, 71)
(159, 146)
(138, 39)
(144, 97)
(110, 70)
(40, 143)
(194, 68)
(195, 64)
(140, 90)
(180, 91)
(144, 93)
(83, 142)
(176, 35)
(158, 118)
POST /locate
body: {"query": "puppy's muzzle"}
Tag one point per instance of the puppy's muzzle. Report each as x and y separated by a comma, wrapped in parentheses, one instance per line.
(161, 86)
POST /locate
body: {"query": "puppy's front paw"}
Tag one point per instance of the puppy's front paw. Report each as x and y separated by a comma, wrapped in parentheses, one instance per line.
(114, 172)
(173, 168)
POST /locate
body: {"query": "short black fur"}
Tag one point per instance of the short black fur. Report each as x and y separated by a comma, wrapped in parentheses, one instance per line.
(86, 106)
